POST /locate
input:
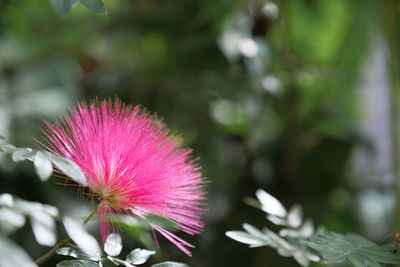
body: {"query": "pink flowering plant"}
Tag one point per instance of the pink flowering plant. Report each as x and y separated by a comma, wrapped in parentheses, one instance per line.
(127, 161)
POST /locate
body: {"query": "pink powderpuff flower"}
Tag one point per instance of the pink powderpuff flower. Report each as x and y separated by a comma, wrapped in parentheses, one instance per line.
(132, 164)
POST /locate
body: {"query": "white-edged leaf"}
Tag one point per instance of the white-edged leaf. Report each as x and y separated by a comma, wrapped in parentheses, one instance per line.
(77, 263)
(96, 6)
(255, 232)
(8, 148)
(269, 204)
(34, 208)
(113, 245)
(170, 264)
(74, 252)
(12, 255)
(43, 166)
(246, 238)
(307, 229)
(336, 248)
(68, 167)
(83, 239)
(295, 216)
(277, 242)
(10, 220)
(127, 264)
(6, 200)
(277, 220)
(44, 229)
(63, 7)
(139, 256)
(21, 154)
(51, 210)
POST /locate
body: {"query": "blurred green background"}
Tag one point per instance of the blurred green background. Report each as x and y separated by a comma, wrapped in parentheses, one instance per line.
(295, 97)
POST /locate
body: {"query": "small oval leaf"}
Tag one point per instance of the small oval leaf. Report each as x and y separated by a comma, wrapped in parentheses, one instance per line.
(8, 148)
(96, 6)
(83, 239)
(10, 220)
(12, 255)
(295, 216)
(246, 238)
(74, 252)
(270, 204)
(170, 264)
(6, 200)
(43, 166)
(77, 263)
(139, 256)
(63, 7)
(68, 167)
(113, 245)
(21, 154)
(44, 229)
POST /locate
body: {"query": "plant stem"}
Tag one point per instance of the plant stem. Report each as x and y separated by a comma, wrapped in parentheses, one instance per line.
(53, 251)
(89, 217)
(62, 243)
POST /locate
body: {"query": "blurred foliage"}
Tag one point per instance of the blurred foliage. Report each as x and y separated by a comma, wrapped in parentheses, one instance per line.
(298, 235)
(265, 92)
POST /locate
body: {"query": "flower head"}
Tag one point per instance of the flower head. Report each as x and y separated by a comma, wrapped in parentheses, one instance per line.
(132, 164)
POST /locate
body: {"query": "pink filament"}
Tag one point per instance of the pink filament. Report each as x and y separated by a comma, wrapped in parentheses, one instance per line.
(132, 164)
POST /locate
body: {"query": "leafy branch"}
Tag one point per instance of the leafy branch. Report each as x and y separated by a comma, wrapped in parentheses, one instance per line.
(14, 213)
(63, 7)
(43, 162)
(112, 248)
(299, 239)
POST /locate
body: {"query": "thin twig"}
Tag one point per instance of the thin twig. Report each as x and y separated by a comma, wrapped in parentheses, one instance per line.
(64, 242)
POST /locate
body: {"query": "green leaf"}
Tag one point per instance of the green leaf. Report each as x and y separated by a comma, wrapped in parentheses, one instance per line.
(8, 148)
(83, 239)
(336, 248)
(295, 216)
(270, 204)
(6, 200)
(96, 6)
(43, 166)
(34, 208)
(113, 245)
(252, 202)
(243, 237)
(286, 248)
(12, 255)
(63, 7)
(74, 252)
(2, 139)
(253, 237)
(170, 264)
(77, 263)
(68, 167)
(139, 256)
(10, 220)
(44, 228)
(21, 154)
(305, 231)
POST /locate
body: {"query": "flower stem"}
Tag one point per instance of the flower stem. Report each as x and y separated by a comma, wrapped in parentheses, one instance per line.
(62, 243)
(90, 216)
(53, 251)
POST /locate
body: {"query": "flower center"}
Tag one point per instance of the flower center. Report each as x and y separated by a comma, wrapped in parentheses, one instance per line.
(110, 197)
(113, 202)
